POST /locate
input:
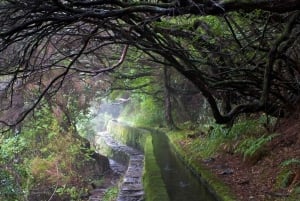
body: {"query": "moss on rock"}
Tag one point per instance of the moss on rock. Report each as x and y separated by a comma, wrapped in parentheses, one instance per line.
(153, 183)
(141, 139)
(134, 137)
(154, 186)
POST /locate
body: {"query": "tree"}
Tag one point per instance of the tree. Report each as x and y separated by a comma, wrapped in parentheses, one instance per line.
(253, 60)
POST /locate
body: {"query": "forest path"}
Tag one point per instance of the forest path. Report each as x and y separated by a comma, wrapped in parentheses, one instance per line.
(131, 188)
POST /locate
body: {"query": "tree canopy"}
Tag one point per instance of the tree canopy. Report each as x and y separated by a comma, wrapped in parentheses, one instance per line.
(240, 54)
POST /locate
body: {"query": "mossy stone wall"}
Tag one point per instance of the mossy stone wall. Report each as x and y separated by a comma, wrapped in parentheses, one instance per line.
(152, 180)
(141, 139)
(130, 136)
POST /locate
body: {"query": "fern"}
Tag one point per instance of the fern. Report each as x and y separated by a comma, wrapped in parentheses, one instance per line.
(250, 146)
(290, 162)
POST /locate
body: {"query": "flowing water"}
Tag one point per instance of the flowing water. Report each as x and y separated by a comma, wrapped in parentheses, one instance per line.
(181, 184)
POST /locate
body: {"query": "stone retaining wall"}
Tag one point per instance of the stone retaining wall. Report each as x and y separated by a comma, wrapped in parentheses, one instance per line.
(141, 140)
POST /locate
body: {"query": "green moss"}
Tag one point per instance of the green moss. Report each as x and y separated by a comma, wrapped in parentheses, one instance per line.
(134, 137)
(154, 186)
(191, 158)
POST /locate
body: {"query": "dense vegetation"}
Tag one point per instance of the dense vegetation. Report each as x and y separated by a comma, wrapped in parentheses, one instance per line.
(177, 64)
(239, 54)
(42, 161)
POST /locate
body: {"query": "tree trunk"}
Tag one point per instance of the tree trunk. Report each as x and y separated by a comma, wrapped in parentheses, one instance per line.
(168, 104)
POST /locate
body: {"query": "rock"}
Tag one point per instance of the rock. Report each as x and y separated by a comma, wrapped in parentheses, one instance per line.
(243, 182)
(227, 171)
(131, 188)
(209, 160)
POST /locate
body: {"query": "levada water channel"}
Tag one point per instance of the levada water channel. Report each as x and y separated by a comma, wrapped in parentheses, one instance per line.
(180, 183)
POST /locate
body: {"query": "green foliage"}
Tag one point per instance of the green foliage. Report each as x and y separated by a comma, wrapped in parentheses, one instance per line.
(211, 138)
(284, 178)
(41, 127)
(218, 136)
(209, 146)
(73, 192)
(98, 182)
(41, 156)
(12, 146)
(12, 168)
(111, 194)
(152, 179)
(57, 166)
(40, 166)
(85, 126)
(250, 147)
(143, 111)
(289, 169)
(246, 128)
(150, 114)
(291, 162)
(8, 189)
(295, 194)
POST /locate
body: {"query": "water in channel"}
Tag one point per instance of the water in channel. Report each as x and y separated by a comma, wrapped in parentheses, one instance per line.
(181, 184)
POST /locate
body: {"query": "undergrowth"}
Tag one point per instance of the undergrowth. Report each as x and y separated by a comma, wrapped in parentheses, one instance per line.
(248, 138)
(289, 175)
(44, 161)
(111, 194)
(250, 147)
(245, 137)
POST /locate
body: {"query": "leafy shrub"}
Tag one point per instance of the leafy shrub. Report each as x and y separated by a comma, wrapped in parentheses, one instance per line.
(12, 170)
(12, 146)
(8, 189)
(41, 157)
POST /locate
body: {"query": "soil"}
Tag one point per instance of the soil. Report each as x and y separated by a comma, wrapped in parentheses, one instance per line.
(257, 179)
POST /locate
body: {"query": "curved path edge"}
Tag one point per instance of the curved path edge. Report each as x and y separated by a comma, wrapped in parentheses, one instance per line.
(131, 188)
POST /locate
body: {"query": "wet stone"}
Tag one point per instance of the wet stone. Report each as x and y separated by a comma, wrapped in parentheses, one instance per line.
(132, 180)
(131, 186)
(134, 193)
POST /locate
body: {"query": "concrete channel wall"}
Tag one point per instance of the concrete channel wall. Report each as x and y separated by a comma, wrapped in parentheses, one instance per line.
(152, 179)
(140, 139)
